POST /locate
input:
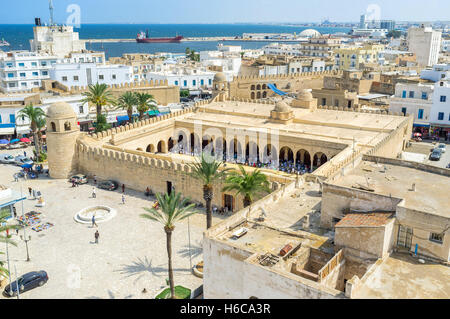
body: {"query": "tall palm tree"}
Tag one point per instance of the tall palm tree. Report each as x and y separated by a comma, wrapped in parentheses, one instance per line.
(100, 96)
(207, 170)
(34, 115)
(145, 102)
(172, 209)
(5, 239)
(40, 124)
(127, 101)
(248, 185)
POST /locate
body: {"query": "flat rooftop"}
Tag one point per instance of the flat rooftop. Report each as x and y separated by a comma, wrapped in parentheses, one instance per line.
(431, 193)
(403, 277)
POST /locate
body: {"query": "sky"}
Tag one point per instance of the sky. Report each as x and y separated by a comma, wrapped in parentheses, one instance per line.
(224, 11)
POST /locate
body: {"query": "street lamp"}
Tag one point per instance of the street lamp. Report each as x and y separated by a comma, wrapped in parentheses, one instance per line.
(26, 242)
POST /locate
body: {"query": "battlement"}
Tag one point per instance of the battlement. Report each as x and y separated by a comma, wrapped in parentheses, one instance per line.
(122, 86)
(286, 76)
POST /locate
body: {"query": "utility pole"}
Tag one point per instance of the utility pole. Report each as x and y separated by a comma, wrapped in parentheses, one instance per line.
(7, 257)
(17, 282)
(189, 238)
(24, 238)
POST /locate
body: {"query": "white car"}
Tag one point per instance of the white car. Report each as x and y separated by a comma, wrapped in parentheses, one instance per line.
(7, 159)
(442, 147)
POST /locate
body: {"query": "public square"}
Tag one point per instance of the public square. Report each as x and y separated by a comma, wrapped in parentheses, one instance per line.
(131, 254)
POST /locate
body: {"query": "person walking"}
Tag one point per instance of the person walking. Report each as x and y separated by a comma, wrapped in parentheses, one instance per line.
(93, 193)
(14, 211)
(24, 154)
(123, 188)
(123, 199)
(16, 177)
(30, 190)
(96, 235)
(93, 221)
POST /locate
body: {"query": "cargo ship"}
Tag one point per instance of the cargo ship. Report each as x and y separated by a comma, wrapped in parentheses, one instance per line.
(143, 38)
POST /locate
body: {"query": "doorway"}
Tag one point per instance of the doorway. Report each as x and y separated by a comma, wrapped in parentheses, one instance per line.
(169, 188)
(228, 202)
(404, 238)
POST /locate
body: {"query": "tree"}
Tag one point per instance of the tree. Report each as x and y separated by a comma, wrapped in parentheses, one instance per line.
(34, 115)
(172, 209)
(126, 102)
(102, 124)
(207, 170)
(145, 102)
(184, 93)
(5, 213)
(248, 185)
(100, 96)
(394, 34)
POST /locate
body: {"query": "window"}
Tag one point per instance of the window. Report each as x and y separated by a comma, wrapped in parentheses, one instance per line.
(76, 78)
(44, 72)
(114, 76)
(443, 98)
(202, 82)
(33, 63)
(194, 82)
(44, 63)
(10, 75)
(185, 83)
(437, 238)
(404, 94)
(22, 75)
(441, 116)
(36, 83)
(420, 114)
(81, 109)
(35, 73)
(0, 119)
(404, 110)
(22, 64)
(324, 101)
(101, 77)
(64, 78)
(210, 81)
(411, 94)
(176, 82)
(24, 84)
(424, 95)
(12, 118)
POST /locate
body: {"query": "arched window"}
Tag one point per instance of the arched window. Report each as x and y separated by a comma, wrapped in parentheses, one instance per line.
(53, 127)
(67, 126)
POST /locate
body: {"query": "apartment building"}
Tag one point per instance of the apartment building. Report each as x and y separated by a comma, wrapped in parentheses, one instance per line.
(440, 111)
(351, 57)
(425, 43)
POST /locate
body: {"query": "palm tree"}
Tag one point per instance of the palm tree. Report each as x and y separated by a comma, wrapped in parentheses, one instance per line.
(207, 170)
(100, 96)
(145, 102)
(127, 101)
(40, 124)
(172, 209)
(34, 115)
(248, 185)
(5, 239)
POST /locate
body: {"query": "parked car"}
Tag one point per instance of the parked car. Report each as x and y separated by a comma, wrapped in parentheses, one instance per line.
(21, 160)
(79, 178)
(7, 159)
(442, 147)
(26, 282)
(435, 155)
(108, 185)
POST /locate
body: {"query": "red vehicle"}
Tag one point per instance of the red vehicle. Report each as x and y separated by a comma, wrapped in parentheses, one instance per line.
(143, 38)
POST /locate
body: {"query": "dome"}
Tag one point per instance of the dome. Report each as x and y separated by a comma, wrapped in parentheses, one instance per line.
(305, 95)
(281, 106)
(60, 110)
(310, 33)
(220, 77)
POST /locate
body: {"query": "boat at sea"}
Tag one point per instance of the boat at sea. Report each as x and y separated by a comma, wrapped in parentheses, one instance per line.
(3, 43)
(142, 37)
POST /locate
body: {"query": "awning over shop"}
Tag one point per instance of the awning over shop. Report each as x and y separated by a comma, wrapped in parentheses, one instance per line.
(23, 129)
(153, 113)
(123, 118)
(421, 125)
(7, 130)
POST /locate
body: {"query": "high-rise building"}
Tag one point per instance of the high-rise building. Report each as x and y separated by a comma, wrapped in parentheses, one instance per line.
(425, 43)
(362, 22)
(387, 24)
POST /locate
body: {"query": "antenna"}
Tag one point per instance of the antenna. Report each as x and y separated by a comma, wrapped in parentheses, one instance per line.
(50, 7)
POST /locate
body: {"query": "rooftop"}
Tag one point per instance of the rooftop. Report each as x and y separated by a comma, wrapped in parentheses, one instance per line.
(365, 220)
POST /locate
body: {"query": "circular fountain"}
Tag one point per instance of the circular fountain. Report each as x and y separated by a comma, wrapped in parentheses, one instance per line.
(102, 214)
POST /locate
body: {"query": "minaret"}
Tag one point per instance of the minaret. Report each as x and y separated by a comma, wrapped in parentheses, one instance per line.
(50, 7)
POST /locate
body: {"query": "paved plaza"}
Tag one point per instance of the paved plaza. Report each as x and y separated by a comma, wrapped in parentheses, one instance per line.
(131, 254)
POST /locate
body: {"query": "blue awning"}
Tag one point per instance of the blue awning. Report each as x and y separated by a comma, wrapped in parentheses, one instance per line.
(123, 118)
(421, 125)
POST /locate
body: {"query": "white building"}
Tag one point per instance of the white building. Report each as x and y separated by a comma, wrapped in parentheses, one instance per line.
(445, 45)
(59, 40)
(440, 111)
(425, 43)
(185, 77)
(414, 98)
(24, 70)
(84, 74)
(227, 59)
(436, 73)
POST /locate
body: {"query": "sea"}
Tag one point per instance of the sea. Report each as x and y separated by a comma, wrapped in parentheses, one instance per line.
(19, 35)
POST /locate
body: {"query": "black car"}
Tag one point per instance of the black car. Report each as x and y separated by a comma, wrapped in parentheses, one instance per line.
(26, 282)
(108, 185)
(435, 156)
